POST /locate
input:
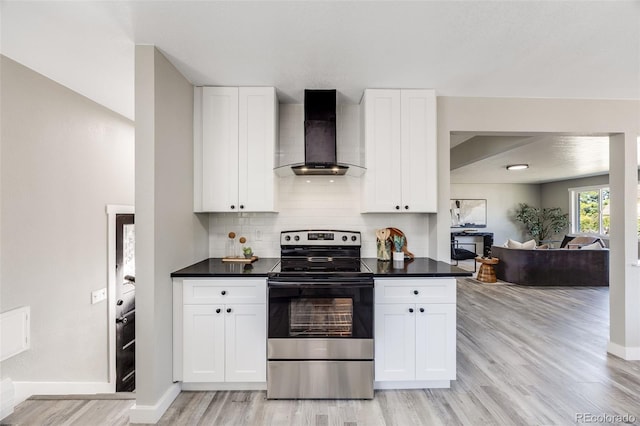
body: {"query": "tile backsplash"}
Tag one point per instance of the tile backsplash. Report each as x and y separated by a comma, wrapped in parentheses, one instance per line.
(316, 202)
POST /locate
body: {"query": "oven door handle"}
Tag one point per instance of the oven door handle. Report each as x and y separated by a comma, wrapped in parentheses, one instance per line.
(318, 259)
(310, 283)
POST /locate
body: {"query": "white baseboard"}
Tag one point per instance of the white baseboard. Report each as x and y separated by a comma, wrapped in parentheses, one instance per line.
(224, 386)
(153, 413)
(7, 398)
(413, 384)
(625, 352)
(26, 389)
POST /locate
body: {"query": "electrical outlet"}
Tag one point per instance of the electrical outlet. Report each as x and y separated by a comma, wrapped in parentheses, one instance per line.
(98, 295)
(258, 235)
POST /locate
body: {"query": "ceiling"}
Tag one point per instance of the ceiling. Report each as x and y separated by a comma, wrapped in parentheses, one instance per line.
(565, 49)
(484, 158)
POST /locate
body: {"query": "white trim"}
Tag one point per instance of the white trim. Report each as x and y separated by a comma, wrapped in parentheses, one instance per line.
(7, 398)
(112, 210)
(574, 207)
(413, 384)
(153, 413)
(625, 352)
(589, 187)
(24, 390)
(224, 386)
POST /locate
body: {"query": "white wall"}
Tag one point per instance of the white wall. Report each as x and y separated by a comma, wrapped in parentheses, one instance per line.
(168, 234)
(319, 204)
(64, 158)
(502, 200)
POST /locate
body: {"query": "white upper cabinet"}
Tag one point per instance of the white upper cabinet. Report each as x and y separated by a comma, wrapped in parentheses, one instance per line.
(400, 151)
(234, 146)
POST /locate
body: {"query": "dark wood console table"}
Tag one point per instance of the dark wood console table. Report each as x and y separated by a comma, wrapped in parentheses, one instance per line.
(487, 239)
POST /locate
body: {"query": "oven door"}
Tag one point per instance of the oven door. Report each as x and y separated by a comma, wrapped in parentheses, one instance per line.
(320, 311)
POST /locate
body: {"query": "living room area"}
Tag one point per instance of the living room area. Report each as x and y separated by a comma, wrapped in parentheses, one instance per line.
(562, 175)
(548, 135)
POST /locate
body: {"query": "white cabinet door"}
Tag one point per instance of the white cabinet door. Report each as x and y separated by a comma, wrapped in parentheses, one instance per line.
(436, 342)
(400, 150)
(256, 148)
(203, 343)
(246, 343)
(395, 342)
(234, 149)
(381, 182)
(419, 151)
(219, 149)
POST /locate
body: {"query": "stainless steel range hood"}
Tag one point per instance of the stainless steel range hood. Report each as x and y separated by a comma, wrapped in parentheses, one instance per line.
(320, 150)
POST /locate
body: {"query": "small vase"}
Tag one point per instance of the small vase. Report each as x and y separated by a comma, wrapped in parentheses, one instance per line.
(398, 260)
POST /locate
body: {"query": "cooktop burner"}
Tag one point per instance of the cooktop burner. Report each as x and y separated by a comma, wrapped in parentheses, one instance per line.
(320, 253)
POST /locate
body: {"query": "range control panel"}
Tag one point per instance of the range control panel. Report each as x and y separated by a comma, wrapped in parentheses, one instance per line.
(320, 238)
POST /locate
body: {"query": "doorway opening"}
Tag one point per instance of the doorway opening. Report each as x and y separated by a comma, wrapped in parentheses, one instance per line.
(121, 298)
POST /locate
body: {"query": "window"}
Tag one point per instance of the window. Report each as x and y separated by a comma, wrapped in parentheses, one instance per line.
(590, 210)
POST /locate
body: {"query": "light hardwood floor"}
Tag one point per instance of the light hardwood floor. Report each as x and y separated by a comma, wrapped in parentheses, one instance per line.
(526, 356)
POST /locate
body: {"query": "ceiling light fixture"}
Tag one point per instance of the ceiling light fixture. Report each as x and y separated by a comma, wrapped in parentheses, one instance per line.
(517, 166)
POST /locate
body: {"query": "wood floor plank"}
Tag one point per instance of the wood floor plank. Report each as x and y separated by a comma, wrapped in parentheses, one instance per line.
(525, 356)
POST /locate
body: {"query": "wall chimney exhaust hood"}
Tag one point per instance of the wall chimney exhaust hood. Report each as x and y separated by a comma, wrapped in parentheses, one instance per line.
(319, 137)
(320, 150)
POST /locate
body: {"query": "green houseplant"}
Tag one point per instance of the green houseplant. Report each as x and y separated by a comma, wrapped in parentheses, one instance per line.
(541, 224)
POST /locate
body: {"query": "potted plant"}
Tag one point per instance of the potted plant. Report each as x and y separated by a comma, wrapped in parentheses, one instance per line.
(246, 250)
(543, 223)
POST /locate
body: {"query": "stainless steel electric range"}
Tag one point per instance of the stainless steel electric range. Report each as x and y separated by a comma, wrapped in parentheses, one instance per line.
(320, 323)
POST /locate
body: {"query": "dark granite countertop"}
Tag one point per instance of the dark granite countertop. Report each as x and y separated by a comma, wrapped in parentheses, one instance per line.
(418, 267)
(215, 267)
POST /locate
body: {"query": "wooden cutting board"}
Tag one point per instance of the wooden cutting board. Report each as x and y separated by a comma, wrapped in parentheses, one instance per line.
(240, 259)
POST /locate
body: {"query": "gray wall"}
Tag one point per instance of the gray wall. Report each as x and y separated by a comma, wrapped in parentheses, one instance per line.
(502, 199)
(168, 234)
(64, 158)
(556, 194)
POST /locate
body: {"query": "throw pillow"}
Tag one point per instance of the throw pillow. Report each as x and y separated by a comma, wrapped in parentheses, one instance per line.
(593, 246)
(583, 240)
(543, 247)
(527, 245)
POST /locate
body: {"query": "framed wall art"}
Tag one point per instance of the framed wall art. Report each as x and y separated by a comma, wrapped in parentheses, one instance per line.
(468, 213)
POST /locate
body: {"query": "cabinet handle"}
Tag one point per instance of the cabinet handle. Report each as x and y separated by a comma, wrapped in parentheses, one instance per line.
(411, 310)
(223, 292)
(416, 292)
(397, 207)
(406, 207)
(218, 311)
(228, 310)
(421, 309)
(241, 206)
(232, 207)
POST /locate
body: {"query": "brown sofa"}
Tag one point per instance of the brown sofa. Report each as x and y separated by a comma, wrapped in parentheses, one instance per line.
(552, 267)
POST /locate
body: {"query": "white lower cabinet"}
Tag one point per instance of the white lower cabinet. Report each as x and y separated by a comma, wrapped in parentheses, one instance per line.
(415, 343)
(220, 342)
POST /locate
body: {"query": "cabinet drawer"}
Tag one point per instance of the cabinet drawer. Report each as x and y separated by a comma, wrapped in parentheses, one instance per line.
(228, 290)
(415, 290)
